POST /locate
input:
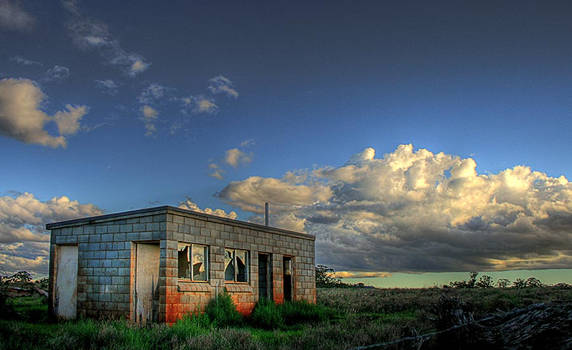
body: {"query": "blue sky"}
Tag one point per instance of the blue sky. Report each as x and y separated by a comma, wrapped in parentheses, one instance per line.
(218, 101)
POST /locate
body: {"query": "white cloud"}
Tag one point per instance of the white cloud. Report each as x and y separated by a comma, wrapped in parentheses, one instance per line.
(68, 121)
(149, 118)
(204, 104)
(138, 66)
(199, 104)
(24, 61)
(57, 73)
(91, 34)
(21, 118)
(222, 85)
(235, 157)
(420, 211)
(216, 171)
(13, 17)
(190, 205)
(108, 86)
(23, 238)
(149, 112)
(252, 193)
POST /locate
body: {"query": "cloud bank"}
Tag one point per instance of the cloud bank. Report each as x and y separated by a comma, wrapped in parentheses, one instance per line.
(419, 211)
(24, 242)
(22, 119)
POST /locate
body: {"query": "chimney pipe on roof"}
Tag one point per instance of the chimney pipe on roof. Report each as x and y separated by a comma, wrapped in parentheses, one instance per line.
(266, 214)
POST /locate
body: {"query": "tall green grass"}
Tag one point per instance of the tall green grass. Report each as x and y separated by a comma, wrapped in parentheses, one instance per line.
(268, 315)
(222, 311)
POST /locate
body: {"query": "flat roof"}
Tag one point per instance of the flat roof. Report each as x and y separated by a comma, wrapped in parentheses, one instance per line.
(167, 209)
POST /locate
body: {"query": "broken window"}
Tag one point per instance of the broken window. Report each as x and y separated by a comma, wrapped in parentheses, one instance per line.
(236, 265)
(193, 262)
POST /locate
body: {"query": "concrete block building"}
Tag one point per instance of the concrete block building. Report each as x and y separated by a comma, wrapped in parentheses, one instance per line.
(160, 263)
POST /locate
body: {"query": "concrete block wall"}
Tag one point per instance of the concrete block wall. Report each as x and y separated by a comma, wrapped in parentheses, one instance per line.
(106, 260)
(183, 297)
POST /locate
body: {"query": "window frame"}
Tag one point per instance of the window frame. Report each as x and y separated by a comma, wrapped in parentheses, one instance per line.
(235, 266)
(191, 247)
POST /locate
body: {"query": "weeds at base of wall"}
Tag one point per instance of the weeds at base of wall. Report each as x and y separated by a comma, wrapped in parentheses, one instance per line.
(222, 311)
(268, 315)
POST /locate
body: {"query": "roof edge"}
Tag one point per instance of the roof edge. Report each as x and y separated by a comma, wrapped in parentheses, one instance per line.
(166, 209)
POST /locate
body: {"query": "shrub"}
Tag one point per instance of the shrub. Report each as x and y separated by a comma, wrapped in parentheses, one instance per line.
(222, 311)
(266, 314)
(450, 311)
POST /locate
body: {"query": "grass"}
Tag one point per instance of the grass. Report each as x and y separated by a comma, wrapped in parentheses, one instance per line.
(342, 318)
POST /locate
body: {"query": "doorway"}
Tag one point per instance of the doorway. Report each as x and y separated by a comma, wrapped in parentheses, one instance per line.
(66, 282)
(146, 282)
(288, 280)
(264, 276)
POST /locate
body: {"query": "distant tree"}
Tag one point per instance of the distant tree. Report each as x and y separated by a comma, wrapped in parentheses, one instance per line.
(485, 281)
(325, 277)
(470, 283)
(42, 283)
(19, 279)
(533, 283)
(503, 283)
(519, 283)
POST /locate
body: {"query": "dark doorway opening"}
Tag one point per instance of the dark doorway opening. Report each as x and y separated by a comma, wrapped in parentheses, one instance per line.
(264, 276)
(287, 262)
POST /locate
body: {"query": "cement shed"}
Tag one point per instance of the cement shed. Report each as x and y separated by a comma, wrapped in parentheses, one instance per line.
(156, 264)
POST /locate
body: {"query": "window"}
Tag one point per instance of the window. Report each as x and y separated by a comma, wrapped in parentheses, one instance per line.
(236, 265)
(193, 262)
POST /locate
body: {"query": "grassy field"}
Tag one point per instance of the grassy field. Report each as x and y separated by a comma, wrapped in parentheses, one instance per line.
(343, 318)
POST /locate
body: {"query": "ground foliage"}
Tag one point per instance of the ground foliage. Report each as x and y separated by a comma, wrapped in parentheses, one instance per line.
(342, 318)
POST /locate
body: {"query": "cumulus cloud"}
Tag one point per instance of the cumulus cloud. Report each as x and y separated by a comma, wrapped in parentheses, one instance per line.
(188, 204)
(420, 211)
(235, 157)
(222, 85)
(149, 118)
(108, 86)
(91, 34)
(22, 119)
(23, 238)
(13, 17)
(57, 73)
